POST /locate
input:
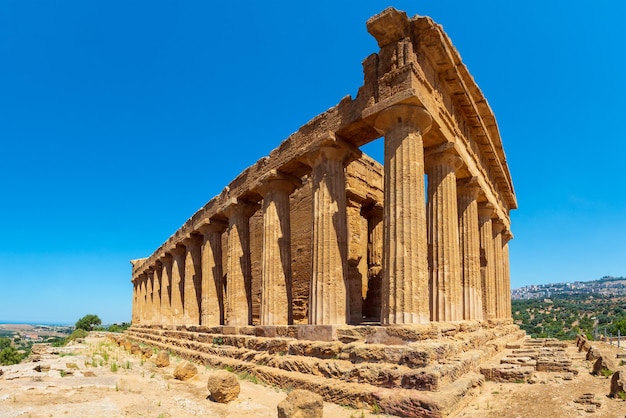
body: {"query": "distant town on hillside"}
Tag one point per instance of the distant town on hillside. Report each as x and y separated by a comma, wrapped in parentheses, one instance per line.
(606, 286)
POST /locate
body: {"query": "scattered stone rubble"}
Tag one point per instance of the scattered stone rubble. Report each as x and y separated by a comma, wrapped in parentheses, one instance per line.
(522, 360)
(301, 404)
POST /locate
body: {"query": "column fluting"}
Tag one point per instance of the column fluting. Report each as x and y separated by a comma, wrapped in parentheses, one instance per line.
(405, 298)
(467, 193)
(276, 280)
(443, 237)
(212, 289)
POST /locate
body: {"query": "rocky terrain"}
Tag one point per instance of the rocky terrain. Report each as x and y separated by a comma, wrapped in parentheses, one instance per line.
(98, 378)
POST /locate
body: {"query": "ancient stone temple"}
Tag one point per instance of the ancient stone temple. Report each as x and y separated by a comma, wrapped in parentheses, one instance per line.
(318, 242)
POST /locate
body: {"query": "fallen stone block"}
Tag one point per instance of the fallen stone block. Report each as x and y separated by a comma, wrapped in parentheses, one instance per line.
(593, 354)
(603, 367)
(223, 386)
(301, 404)
(514, 374)
(185, 370)
(162, 359)
(618, 384)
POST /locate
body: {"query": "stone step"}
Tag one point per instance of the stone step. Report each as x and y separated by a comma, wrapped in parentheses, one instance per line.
(508, 373)
(401, 402)
(415, 354)
(428, 378)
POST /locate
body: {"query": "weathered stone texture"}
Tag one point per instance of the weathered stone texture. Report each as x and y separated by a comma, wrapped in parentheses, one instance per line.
(185, 370)
(223, 386)
(301, 404)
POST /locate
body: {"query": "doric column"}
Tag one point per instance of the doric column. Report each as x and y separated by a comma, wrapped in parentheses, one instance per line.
(357, 258)
(276, 299)
(506, 237)
(467, 193)
(178, 277)
(443, 236)
(135, 308)
(498, 227)
(156, 294)
(150, 296)
(487, 269)
(405, 253)
(212, 305)
(239, 274)
(193, 279)
(327, 300)
(166, 289)
(142, 298)
(373, 299)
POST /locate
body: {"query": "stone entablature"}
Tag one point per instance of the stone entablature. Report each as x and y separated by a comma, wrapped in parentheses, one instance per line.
(446, 260)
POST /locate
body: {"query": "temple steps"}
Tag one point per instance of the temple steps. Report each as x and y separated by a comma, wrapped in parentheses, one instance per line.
(427, 375)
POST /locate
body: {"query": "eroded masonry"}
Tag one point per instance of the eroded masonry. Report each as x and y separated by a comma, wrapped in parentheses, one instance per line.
(318, 233)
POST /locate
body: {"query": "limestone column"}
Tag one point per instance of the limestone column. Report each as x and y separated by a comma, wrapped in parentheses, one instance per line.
(150, 296)
(507, 272)
(328, 304)
(372, 303)
(166, 289)
(357, 258)
(135, 308)
(156, 294)
(498, 228)
(212, 304)
(467, 193)
(485, 211)
(239, 274)
(276, 284)
(193, 279)
(405, 258)
(178, 277)
(142, 298)
(443, 237)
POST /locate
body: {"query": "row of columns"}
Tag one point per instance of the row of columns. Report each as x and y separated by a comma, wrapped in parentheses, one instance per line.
(446, 260)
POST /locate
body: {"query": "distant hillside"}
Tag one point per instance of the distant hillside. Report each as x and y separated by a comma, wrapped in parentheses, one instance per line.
(607, 286)
(563, 310)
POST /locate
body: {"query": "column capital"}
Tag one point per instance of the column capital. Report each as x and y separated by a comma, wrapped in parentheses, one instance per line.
(469, 185)
(177, 250)
(244, 207)
(485, 209)
(403, 114)
(166, 258)
(443, 154)
(277, 180)
(507, 236)
(212, 225)
(333, 149)
(192, 240)
(497, 225)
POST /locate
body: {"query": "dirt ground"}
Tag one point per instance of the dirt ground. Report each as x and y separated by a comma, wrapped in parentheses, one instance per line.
(137, 389)
(551, 394)
(81, 383)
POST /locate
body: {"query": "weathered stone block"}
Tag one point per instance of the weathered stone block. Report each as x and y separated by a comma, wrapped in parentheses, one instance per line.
(618, 384)
(301, 404)
(162, 359)
(223, 386)
(185, 371)
(603, 366)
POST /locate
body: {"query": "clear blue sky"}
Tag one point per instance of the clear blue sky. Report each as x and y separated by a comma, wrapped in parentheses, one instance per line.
(119, 119)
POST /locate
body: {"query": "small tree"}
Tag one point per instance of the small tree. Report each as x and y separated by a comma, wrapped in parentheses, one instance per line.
(10, 355)
(88, 322)
(4, 342)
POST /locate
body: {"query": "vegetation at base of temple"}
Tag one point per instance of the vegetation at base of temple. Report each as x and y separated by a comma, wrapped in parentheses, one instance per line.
(565, 316)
